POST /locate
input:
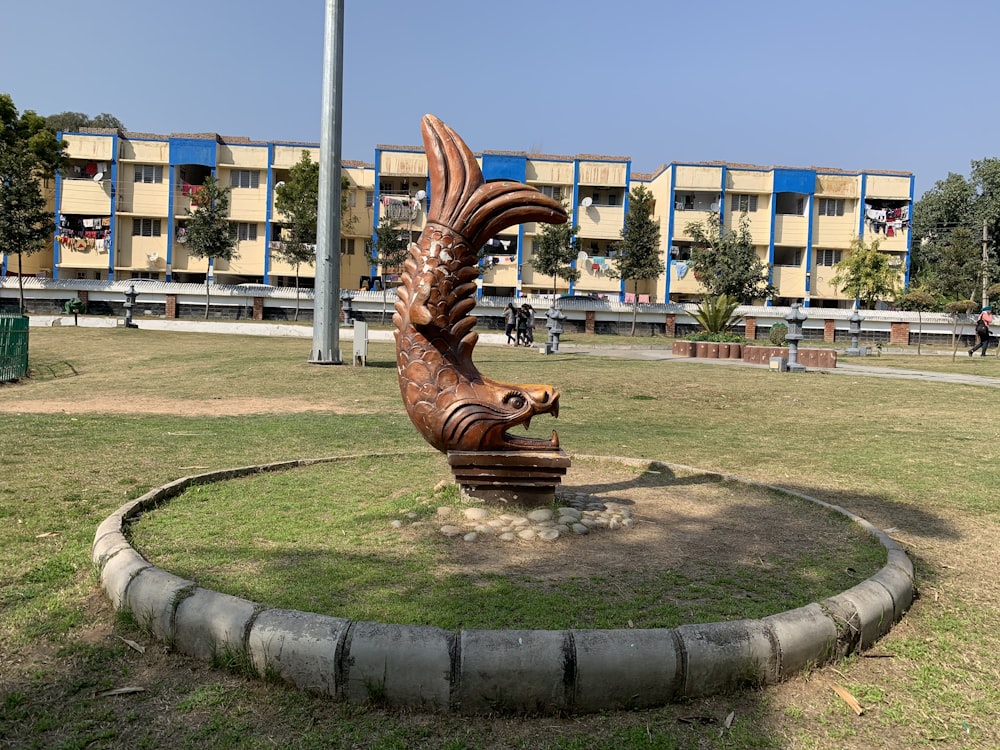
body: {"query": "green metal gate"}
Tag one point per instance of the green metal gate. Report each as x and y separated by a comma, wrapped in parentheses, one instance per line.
(13, 346)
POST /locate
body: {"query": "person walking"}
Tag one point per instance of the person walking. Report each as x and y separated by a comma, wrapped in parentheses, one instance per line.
(529, 329)
(509, 318)
(983, 323)
(522, 326)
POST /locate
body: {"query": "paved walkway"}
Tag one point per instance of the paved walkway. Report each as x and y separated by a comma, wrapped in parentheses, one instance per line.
(845, 365)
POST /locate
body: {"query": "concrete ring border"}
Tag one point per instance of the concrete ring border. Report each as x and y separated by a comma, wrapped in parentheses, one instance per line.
(475, 671)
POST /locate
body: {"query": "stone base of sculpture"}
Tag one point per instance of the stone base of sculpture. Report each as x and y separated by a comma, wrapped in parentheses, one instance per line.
(523, 478)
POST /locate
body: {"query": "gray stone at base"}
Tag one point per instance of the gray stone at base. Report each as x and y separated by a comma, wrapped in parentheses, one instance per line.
(804, 636)
(900, 588)
(515, 670)
(399, 665)
(107, 545)
(209, 624)
(151, 597)
(720, 656)
(898, 558)
(625, 668)
(874, 610)
(118, 572)
(299, 647)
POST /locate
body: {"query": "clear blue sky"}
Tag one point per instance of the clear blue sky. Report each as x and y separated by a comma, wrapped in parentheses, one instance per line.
(854, 85)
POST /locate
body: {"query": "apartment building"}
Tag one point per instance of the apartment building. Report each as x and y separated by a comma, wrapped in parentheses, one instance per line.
(802, 221)
(123, 202)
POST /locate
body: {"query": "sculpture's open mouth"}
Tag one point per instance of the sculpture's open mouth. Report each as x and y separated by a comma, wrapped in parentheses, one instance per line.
(523, 442)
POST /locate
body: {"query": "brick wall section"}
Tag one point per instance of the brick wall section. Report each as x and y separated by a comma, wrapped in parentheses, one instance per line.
(751, 327)
(258, 308)
(589, 326)
(761, 355)
(83, 296)
(170, 311)
(829, 331)
(899, 333)
(670, 326)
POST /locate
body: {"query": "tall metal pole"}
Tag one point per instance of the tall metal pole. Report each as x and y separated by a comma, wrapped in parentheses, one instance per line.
(326, 311)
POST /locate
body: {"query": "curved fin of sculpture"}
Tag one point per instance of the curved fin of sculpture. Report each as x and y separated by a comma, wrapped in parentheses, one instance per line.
(449, 401)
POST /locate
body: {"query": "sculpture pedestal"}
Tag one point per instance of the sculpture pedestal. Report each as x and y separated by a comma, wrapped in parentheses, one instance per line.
(525, 478)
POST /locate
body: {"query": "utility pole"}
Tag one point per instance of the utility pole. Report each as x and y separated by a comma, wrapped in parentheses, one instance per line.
(326, 308)
(986, 259)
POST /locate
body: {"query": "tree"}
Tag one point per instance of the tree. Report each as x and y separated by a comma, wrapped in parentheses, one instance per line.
(25, 225)
(948, 226)
(920, 300)
(389, 248)
(726, 263)
(298, 201)
(865, 274)
(28, 152)
(716, 314)
(71, 122)
(554, 251)
(208, 229)
(638, 256)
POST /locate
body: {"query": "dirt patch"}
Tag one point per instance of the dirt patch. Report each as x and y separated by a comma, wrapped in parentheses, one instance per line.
(709, 529)
(230, 405)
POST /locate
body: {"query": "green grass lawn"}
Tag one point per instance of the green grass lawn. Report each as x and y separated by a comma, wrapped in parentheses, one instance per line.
(112, 413)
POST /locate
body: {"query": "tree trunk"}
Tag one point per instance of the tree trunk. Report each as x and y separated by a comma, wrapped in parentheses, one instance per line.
(208, 288)
(20, 285)
(635, 305)
(296, 317)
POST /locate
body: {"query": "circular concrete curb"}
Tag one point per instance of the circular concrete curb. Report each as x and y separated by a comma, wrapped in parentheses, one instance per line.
(488, 670)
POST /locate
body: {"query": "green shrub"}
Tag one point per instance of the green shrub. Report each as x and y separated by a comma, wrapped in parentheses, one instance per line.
(722, 338)
(776, 334)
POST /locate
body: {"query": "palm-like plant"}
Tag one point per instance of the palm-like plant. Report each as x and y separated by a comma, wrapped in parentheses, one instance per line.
(715, 314)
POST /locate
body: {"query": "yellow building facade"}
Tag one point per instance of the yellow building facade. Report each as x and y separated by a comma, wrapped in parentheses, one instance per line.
(122, 203)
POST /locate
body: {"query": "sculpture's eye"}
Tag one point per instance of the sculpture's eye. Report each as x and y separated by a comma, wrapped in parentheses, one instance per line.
(514, 400)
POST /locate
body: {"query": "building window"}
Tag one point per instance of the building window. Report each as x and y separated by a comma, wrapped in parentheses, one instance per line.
(352, 199)
(145, 227)
(743, 202)
(828, 257)
(150, 173)
(787, 256)
(831, 206)
(346, 246)
(369, 198)
(555, 192)
(612, 199)
(789, 204)
(243, 231)
(386, 187)
(244, 178)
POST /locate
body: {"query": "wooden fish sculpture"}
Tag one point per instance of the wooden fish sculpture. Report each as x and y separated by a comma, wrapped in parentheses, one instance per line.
(449, 401)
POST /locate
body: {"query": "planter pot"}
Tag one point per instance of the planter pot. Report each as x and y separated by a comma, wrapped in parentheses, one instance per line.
(683, 348)
(736, 351)
(701, 349)
(724, 351)
(713, 351)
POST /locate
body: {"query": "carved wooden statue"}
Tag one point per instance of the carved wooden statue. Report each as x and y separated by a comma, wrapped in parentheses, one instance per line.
(452, 404)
